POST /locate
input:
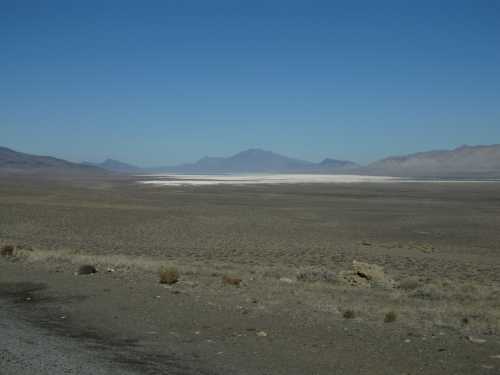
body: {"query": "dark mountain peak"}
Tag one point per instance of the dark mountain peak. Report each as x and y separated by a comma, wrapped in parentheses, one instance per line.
(334, 163)
(253, 153)
(256, 151)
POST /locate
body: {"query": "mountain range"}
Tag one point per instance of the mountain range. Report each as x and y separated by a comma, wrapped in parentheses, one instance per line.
(462, 162)
(15, 162)
(258, 160)
(113, 165)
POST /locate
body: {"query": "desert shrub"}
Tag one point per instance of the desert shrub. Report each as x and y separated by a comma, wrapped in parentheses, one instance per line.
(7, 251)
(86, 269)
(410, 283)
(349, 314)
(230, 280)
(390, 317)
(169, 275)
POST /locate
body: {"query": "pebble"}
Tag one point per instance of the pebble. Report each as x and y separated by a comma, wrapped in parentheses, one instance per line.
(262, 334)
(476, 340)
(286, 280)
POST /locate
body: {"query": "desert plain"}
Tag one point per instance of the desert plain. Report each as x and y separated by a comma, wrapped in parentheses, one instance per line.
(358, 278)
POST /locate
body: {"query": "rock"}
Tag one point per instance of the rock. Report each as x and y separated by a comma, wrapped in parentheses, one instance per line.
(110, 270)
(488, 367)
(7, 251)
(169, 275)
(390, 317)
(86, 269)
(229, 280)
(286, 280)
(262, 334)
(371, 272)
(366, 275)
(352, 279)
(349, 314)
(476, 340)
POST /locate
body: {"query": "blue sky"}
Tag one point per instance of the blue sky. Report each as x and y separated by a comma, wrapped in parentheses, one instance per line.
(162, 82)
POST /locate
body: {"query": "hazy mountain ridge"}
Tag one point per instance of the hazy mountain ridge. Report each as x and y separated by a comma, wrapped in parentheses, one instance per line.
(258, 160)
(334, 163)
(463, 161)
(13, 161)
(116, 166)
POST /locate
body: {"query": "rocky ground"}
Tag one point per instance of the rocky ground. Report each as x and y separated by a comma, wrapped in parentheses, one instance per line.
(347, 279)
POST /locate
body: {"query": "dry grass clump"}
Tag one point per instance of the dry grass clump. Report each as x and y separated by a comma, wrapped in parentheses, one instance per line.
(230, 280)
(315, 275)
(349, 314)
(7, 251)
(390, 317)
(169, 275)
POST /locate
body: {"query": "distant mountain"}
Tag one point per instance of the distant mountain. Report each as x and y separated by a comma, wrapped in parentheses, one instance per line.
(464, 161)
(116, 166)
(258, 160)
(14, 161)
(337, 164)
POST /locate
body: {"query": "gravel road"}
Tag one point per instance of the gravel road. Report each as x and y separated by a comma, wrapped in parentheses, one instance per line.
(25, 349)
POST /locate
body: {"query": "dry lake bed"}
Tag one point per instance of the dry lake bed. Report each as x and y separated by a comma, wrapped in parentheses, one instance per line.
(358, 277)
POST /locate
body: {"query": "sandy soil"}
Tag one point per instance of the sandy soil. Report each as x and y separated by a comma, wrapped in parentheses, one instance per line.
(290, 245)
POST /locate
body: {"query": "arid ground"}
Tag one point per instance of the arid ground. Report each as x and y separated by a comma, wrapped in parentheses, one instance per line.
(399, 278)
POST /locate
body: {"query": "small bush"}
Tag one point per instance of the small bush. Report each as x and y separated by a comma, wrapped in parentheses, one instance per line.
(229, 280)
(390, 317)
(315, 275)
(349, 314)
(169, 275)
(86, 269)
(7, 251)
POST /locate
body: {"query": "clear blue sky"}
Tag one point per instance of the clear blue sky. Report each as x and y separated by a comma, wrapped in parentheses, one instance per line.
(162, 82)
